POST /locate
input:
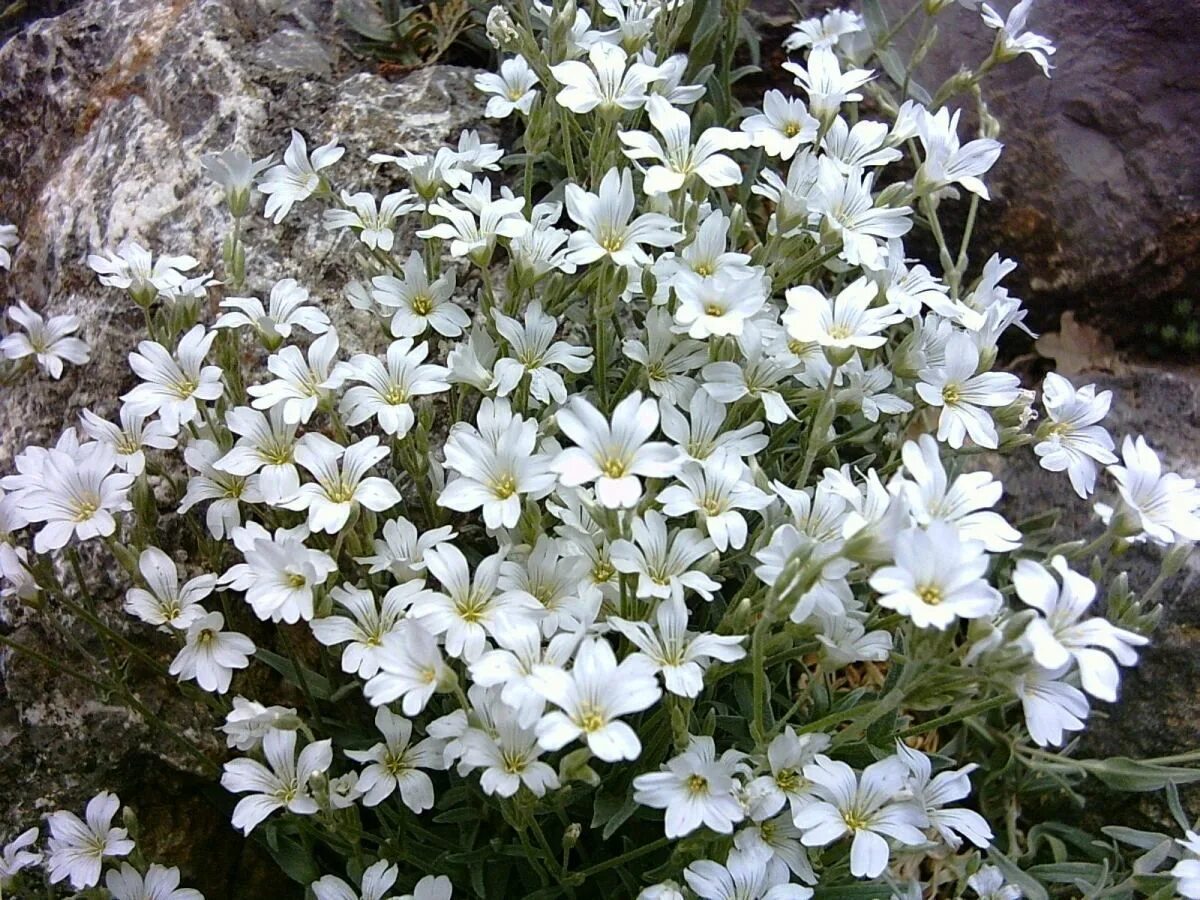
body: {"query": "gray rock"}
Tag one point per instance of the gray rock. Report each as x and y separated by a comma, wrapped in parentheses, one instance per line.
(107, 110)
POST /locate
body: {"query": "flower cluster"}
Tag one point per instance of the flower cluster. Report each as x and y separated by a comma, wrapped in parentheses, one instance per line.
(649, 505)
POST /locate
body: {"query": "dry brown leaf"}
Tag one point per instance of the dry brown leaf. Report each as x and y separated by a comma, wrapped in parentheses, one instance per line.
(1077, 348)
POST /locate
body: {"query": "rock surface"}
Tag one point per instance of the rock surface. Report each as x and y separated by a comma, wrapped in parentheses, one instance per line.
(106, 110)
(1097, 194)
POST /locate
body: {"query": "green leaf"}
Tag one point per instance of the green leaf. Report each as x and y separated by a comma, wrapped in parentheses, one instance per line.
(1068, 872)
(1143, 840)
(318, 685)
(296, 862)
(851, 892)
(1016, 875)
(1125, 774)
(612, 811)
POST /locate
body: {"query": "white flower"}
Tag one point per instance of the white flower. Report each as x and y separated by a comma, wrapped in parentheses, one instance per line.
(387, 389)
(1070, 439)
(210, 654)
(509, 758)
(777, 841)
(14, 856)
(418, 303)
(662, 562)
(680, 655)
(863, 806)
(511, 665)
(363, 634)
(794, 197)
(1051, 706)
(396, 764)
(470, 608)
(1014, 40)
(497, 471)
(614, 454)
(472, 232)
(1061, 636)
(964, 503)
(849, 211)
(286, 309)
(946, 162)
(782, 127)
(225, 490)
(702, 433)
(77, 847)
(961, 394)
(592, 698)
(377, 880)
(297, 178)
(234, 171)
(863, 145)
(609, 83)
(249, 722)
(282, 786)
(300, 386)
(743, 877)
(76, 497)
(865, 390)
(825, 83)
(128, 439)
(171, 384)
(8, 240)
(20, 583)
(511, 88)
(989, 884)
(341, 481)
(374, 223)
(695, 788)
(1187, 871)
(553, 584)
(160, 883)
(720, 305)
(532, 352)
(280, 573)
(932, 792)
(785, 784)
(133, 269)
(716, 490)
(678, 160)
(411, 666)
(163, 601)
(667, 360)
(826, 31)
(1164, 506)
(266, 448)
(430, 172)
(402, 551)
(606, 229)
(430, 888)
(842, 323)
(937, 578)
(49, 342)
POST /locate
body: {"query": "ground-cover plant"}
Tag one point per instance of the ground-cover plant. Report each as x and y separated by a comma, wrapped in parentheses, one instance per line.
(648, 556)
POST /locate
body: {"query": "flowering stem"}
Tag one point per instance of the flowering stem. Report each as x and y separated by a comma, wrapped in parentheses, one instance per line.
(816, 435)
(951, 718)
(626, 857)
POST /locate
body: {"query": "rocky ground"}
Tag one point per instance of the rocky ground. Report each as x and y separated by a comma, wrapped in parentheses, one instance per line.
(107, 108)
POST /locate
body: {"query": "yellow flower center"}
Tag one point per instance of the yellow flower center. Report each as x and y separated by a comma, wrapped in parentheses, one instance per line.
(590, 719)
(705, 269)
(951, 393)
(697, 784)
(612, 242)
(788, 780)
(791, 129)
(713, 309)
(839, 332)
(85, 509)
(614, 468)
(395, 395)
(422, 304)
(931, 594)
(504, 487)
